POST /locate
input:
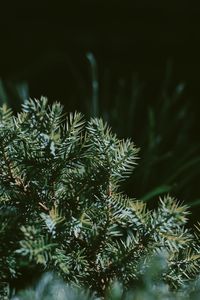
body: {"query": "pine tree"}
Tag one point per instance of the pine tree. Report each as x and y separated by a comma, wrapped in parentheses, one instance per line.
(62, 209)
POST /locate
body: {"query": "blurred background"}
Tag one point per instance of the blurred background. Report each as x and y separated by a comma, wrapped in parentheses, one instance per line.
(134, 63)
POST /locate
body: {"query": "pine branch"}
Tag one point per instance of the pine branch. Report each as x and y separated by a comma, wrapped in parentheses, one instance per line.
(61, 208)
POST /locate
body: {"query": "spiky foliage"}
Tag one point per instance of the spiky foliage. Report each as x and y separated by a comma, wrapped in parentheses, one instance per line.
(164, 166)
(61, 207)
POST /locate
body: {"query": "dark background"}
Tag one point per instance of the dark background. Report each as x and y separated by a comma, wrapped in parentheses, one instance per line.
(45, 45)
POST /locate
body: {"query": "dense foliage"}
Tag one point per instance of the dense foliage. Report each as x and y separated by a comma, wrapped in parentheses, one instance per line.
(131, 112)
(61, 207)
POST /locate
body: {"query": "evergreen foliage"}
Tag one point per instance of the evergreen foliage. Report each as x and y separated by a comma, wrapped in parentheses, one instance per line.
(61, 207)
(164, 166)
